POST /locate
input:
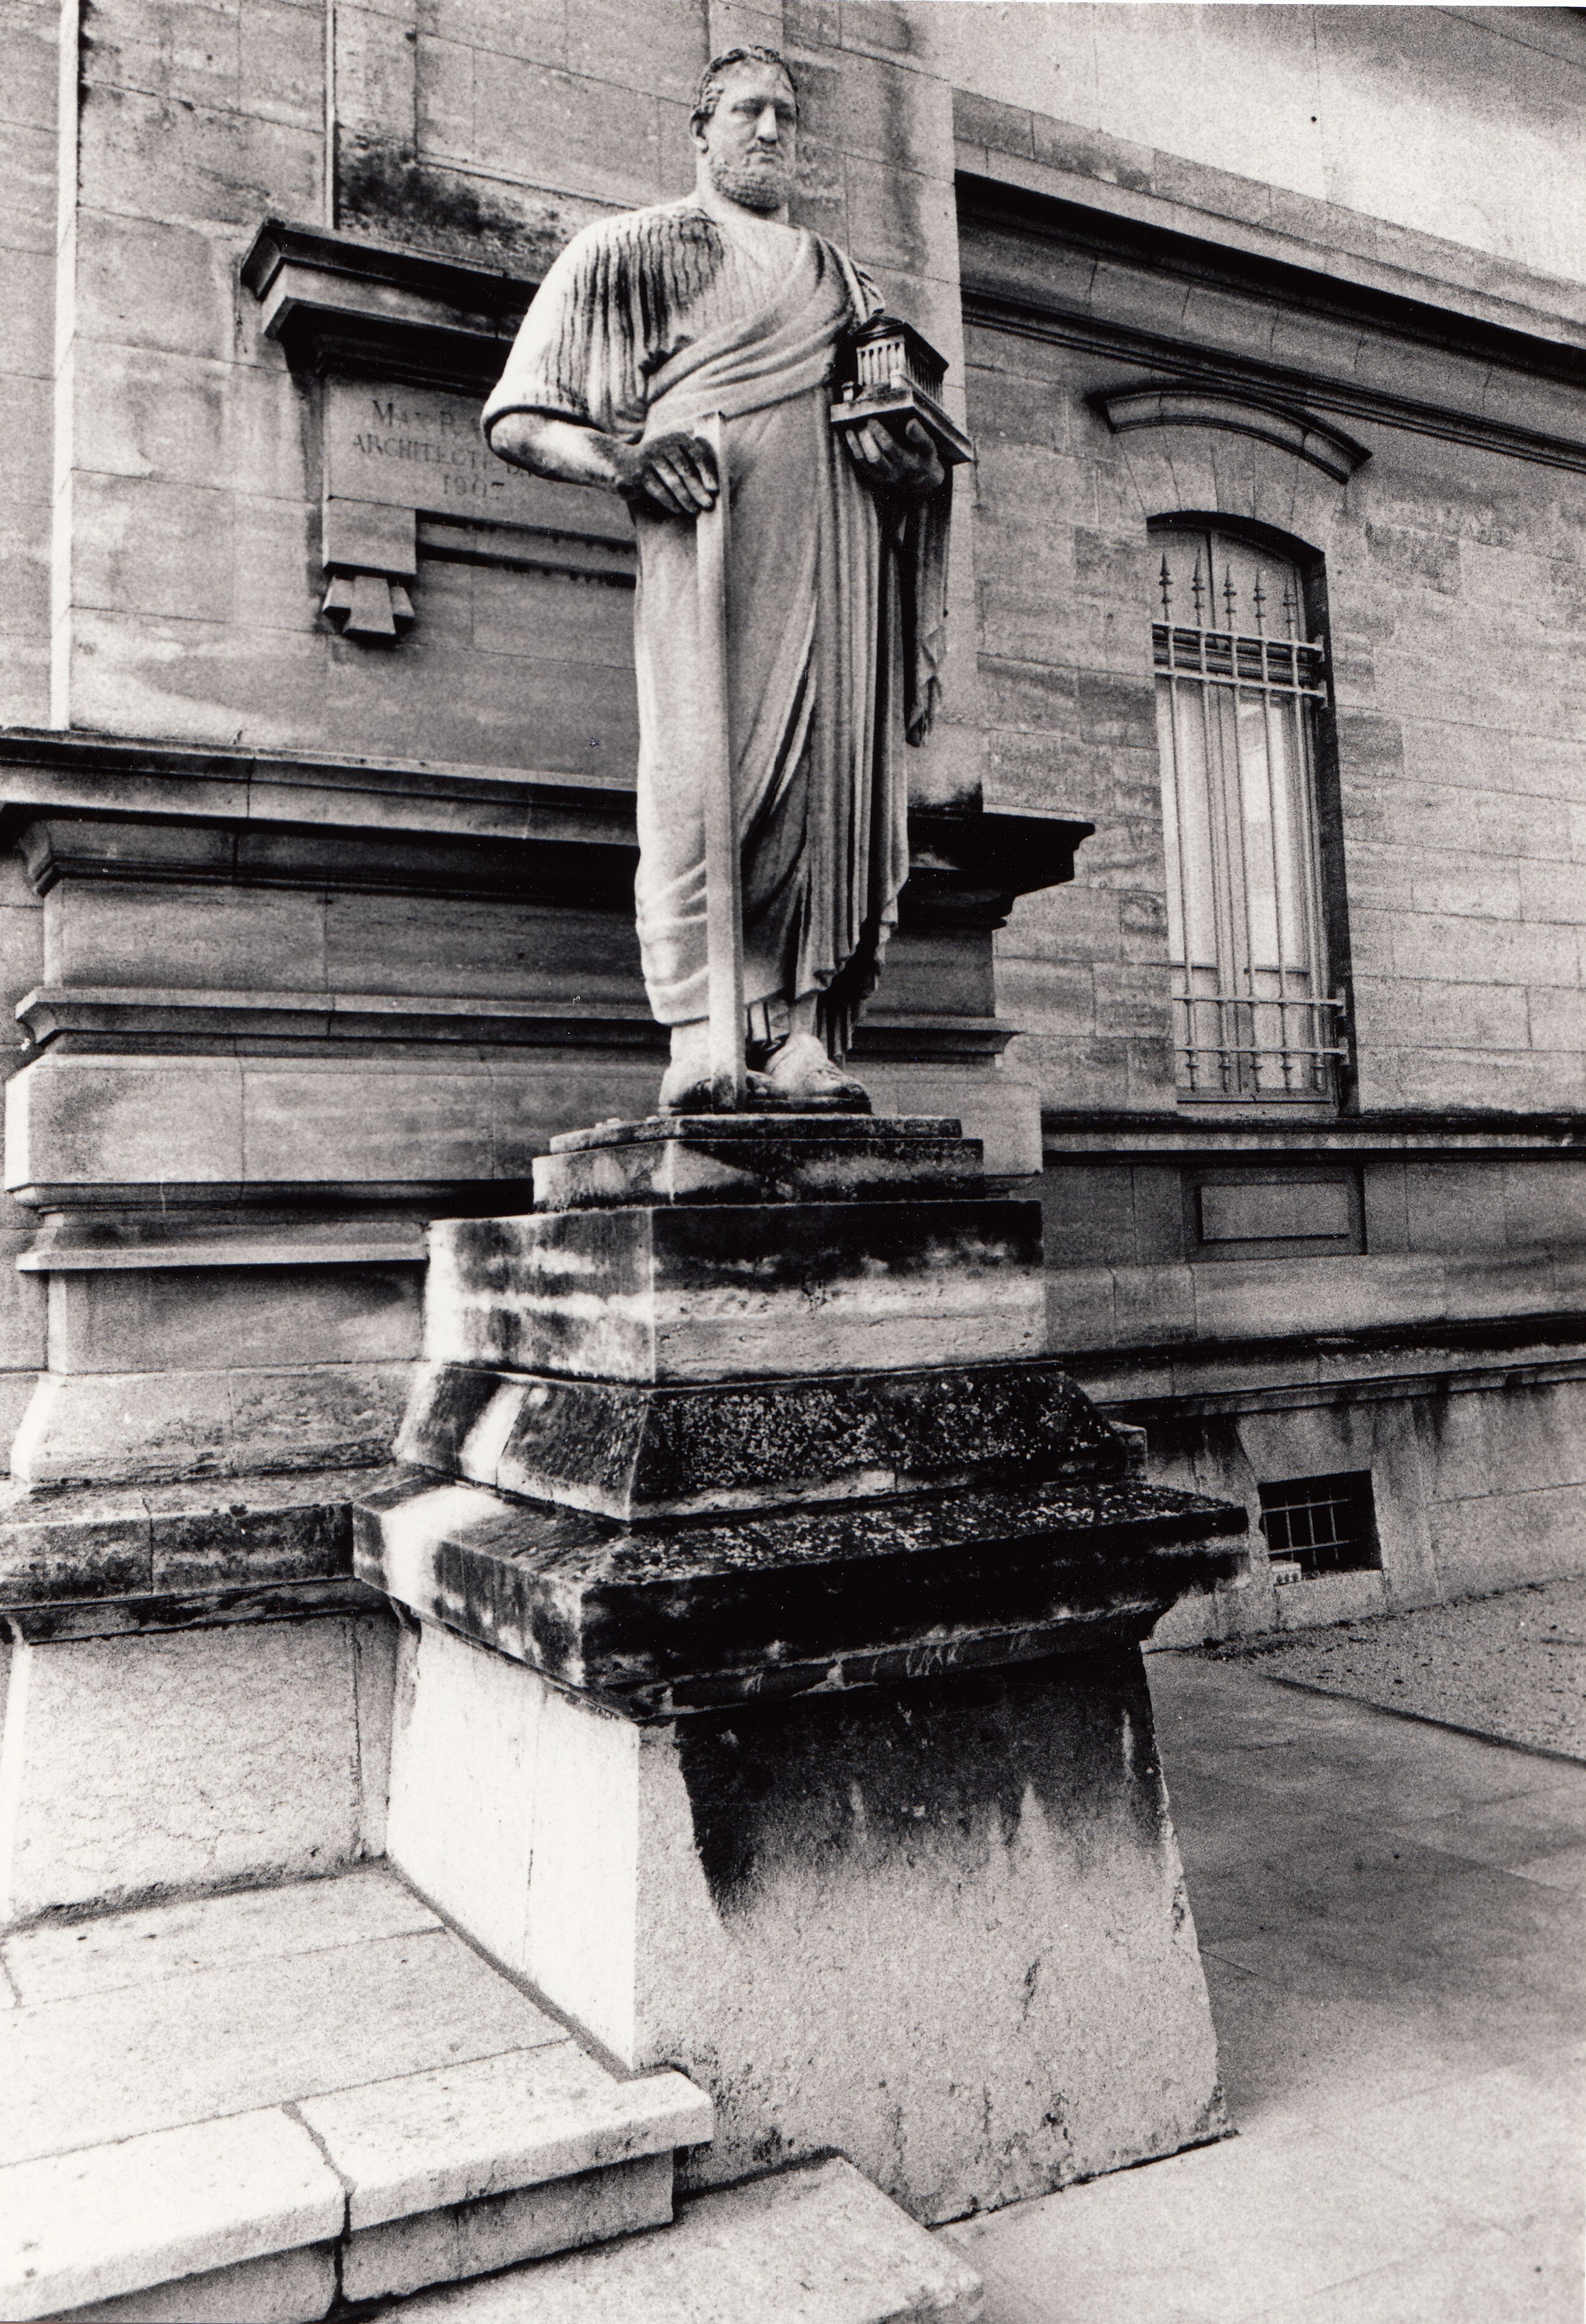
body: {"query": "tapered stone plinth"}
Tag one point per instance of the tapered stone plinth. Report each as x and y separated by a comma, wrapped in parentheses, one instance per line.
(776, 1703)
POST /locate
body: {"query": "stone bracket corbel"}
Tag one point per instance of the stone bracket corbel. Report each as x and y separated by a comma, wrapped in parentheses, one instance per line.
(370, 555)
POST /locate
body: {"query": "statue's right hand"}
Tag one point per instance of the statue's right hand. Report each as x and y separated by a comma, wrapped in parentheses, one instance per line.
(674, 473)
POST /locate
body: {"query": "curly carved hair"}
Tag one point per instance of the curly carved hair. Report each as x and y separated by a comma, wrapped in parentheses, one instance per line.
(710, 79)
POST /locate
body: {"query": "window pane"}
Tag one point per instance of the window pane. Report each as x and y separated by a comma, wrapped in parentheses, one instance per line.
(1192, 915)
(1261, 872)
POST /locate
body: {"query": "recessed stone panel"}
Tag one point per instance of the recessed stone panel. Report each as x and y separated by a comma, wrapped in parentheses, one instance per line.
(1300, 1214)
(420, 449)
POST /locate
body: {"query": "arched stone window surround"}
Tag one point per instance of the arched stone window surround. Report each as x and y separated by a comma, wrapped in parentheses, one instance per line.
(1238, 411)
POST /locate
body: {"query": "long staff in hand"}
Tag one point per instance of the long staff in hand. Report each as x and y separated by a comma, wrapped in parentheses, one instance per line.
(724, 904)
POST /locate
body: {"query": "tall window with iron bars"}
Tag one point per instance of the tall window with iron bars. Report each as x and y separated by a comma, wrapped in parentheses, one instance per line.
(1240, 687)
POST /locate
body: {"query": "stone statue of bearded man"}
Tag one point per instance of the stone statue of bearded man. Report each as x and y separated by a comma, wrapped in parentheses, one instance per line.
(835, 580)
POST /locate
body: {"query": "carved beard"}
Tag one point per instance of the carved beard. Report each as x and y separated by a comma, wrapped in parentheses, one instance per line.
(757, 185)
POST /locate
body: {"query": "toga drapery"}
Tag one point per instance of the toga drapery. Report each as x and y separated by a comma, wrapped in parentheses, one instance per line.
(646, 324)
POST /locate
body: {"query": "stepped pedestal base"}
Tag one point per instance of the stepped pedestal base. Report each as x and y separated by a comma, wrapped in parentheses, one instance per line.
(775, 1701)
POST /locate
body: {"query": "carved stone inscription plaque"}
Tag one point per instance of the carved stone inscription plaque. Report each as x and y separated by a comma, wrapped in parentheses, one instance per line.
(406, 447)
(407, 474)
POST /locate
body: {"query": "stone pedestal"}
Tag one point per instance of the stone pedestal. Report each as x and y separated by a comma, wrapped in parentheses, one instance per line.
(776, 1701)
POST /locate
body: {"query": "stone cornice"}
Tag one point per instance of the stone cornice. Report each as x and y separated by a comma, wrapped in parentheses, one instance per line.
(1468, 367)
(334, 302)
(1338, 249)
(62, 793)
(1199, 364)
(1113, 1381)
(47, 770)
(1290, 1135)
(103, 1020)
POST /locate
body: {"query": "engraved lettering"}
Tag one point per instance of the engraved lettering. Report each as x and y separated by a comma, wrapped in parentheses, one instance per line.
(421, 449)
(425, 452)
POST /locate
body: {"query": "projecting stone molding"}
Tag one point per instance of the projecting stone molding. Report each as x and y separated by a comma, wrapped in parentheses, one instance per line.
(1241, 413)
(336, 304)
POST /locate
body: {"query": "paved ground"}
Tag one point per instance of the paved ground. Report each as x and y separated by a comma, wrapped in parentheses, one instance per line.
(1392, 1920)
(1514, 1665)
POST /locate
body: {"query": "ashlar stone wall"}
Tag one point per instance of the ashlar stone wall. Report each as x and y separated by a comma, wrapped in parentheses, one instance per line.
(1378, 131)
(1456, 594)
(27, 244)
(230, 1002)
(28, 224)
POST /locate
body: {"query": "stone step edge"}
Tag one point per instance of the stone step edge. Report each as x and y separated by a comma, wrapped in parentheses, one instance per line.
(312, 2202)
(165, 1552)
(817, 2240)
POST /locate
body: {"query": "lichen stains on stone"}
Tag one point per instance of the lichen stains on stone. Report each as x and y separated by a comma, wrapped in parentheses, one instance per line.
(825, 1791)
(652, 1447)
(383, 188)
(770, 2149)
(687, 1617)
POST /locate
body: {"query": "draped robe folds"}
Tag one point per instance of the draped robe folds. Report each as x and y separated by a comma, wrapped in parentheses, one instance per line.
(835, 599)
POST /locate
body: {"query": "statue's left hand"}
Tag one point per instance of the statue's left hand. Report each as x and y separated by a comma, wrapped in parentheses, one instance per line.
(888, 463)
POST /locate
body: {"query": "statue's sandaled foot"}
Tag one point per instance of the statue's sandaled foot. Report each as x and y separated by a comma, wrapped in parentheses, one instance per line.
(806, 1081)
(686, 1090)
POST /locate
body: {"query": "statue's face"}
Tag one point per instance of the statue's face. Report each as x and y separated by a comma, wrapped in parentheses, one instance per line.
(749, 141)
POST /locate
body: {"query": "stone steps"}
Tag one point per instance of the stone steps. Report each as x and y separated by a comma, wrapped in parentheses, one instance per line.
(249, 2106)
(817, 2244)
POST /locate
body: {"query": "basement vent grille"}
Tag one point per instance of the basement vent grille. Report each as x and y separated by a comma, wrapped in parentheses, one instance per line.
(1321, 1524)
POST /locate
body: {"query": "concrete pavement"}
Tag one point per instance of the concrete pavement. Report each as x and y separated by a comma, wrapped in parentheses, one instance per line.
(1391, 1917)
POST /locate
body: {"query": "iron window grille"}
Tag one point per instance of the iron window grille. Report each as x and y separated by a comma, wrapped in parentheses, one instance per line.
(1321, 1524)
(1239, 688)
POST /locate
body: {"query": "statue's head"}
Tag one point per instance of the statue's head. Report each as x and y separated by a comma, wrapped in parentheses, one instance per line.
(745, 124)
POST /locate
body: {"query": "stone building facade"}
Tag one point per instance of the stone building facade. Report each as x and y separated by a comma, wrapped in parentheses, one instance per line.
(319, 727)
